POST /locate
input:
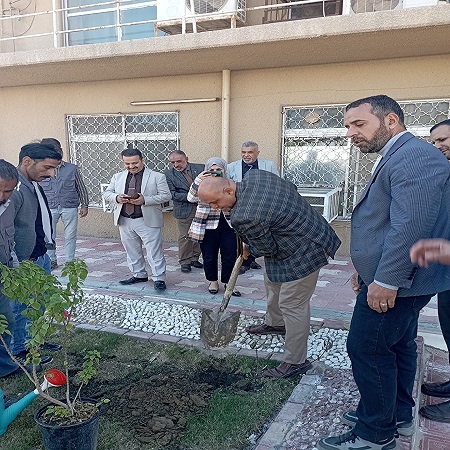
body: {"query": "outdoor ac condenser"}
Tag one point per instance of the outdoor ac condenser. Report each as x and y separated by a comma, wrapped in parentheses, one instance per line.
(176, 9)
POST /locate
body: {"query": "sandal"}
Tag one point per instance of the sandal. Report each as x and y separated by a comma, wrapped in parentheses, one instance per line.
(212, 291)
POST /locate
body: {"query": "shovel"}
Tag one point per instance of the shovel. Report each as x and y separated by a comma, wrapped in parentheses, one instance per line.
(218, 327)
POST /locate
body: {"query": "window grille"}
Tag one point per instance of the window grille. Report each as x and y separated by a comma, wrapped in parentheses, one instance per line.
(95, 143)
(316, 153)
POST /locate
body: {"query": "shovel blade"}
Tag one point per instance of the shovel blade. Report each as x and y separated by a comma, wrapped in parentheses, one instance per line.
(218, 328)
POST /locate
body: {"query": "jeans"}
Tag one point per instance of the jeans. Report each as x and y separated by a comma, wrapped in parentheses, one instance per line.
(69, 217)
(444, 316)
(20, 334)
(7, 365)
(383, 352)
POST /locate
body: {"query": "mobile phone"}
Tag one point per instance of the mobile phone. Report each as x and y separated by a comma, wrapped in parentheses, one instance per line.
(216, 173)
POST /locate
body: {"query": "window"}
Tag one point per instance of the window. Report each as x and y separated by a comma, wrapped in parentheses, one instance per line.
(95, 143)
(109, 20)
(317, 155)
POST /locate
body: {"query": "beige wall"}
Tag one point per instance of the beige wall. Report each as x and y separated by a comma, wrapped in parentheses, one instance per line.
(257, 98)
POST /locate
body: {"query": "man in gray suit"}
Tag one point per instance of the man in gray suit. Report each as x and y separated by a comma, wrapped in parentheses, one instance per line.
(179, 178)
(136, 195)
(407, 199)
(236, 171)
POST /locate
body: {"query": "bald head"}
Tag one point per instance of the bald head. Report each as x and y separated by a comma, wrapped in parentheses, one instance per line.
(218, 192)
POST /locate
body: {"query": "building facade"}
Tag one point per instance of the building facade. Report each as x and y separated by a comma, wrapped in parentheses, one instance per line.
(99, 75)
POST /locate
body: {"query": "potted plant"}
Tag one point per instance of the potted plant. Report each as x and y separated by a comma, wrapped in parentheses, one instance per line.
(71, 423)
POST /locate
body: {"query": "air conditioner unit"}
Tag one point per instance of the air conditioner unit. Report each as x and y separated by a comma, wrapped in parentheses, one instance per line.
(176, 9)
(365, 6)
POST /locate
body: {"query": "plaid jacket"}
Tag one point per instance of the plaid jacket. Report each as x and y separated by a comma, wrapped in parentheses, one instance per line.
(206, 218)
(277, 223)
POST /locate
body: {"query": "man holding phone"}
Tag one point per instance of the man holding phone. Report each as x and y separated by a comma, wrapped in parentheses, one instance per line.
(136, 195)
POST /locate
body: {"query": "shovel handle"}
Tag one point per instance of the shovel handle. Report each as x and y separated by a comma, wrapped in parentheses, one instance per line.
(233, 277)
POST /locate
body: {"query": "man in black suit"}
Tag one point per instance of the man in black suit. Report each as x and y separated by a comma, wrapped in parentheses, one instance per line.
(277, 223)
(179, 178)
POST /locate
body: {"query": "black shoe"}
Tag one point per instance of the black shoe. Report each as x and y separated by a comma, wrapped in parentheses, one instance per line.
(436, 389)
(51, 347)
(243, 269)
(197, 264)
(22, 356)
(235, 293)
(133, 280)
(186, 268)
(254, 265)
(438, 413)
(212, 291)
(159, 285)
(54, 265)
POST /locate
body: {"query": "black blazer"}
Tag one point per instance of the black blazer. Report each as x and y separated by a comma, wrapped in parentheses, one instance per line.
(179, 187)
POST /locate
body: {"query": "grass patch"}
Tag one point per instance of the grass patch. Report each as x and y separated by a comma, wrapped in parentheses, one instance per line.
(162, 397)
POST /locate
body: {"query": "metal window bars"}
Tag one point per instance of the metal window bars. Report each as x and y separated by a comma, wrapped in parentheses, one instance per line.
(316, 154)
(96, 141)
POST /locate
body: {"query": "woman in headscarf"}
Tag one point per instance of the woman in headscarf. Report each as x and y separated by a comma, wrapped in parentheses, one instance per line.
(212, 228)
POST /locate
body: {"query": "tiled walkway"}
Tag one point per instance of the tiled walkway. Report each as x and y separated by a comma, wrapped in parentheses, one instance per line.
(332, 301)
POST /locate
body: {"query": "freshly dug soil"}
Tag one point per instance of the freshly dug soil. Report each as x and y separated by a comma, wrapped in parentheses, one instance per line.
(156, 403)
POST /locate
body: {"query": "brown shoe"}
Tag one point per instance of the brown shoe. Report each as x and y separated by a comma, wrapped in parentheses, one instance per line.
(286, 370)
(265, 329)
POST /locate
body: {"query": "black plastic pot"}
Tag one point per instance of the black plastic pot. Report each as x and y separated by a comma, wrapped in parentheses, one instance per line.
(79, 436)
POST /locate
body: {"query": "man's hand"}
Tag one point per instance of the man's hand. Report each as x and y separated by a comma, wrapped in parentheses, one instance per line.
(430, 250)
(245, 252)
(379, 298)
(122, 198)
(355, 284)
(137, 201)
(83, 212)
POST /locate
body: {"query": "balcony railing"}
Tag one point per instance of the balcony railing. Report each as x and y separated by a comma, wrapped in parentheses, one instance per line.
(115, 20)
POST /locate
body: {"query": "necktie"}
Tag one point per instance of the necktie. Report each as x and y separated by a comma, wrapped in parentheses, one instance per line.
(187, 176)
(46, 224)
(129, 208)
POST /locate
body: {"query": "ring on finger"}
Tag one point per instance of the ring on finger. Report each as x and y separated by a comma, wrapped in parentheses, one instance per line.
(383, 304)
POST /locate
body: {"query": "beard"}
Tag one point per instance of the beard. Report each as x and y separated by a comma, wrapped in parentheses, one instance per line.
(378, 141)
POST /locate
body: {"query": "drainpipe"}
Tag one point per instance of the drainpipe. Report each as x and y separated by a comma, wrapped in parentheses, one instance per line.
(226, 88)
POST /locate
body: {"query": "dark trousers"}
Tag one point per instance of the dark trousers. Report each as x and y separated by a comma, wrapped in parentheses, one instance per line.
(383, 352)
(444, 316)
(7, 365)
(223, 240)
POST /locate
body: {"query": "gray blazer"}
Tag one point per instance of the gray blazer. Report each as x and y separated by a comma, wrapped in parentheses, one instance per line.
(154, 189)
(234, 169)
(179, 188)
(406, 199)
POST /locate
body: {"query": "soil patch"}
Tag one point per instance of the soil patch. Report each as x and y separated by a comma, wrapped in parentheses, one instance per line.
(156, 402)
